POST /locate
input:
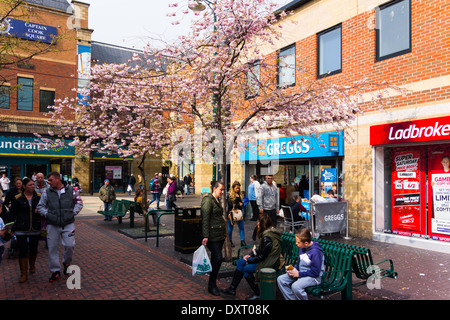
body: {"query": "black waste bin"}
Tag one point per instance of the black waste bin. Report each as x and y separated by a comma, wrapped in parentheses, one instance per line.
(188, 229)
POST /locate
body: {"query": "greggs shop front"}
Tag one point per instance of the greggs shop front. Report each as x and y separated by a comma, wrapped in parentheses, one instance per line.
(412, 181)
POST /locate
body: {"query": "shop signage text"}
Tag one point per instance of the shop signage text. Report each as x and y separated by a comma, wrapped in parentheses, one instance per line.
(28, 30)
(411, 131)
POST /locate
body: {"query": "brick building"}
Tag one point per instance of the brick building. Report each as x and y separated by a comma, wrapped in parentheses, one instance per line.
(397, 153)
(31, 85)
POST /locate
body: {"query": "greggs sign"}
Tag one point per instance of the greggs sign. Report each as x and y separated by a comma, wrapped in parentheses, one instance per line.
(411, 131)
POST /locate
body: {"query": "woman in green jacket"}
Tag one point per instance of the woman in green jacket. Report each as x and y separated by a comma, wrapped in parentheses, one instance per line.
(214, 232)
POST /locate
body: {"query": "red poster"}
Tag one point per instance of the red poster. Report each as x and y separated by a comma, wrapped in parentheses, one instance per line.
(408, 214)
(439, 192)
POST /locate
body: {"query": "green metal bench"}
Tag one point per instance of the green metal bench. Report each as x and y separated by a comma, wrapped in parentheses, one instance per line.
(133, 207)
(118, 210)
(161, 213)
(362, 263)
(338, 267)
(338, 273)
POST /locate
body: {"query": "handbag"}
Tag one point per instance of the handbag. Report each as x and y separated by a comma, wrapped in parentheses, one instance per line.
(235, 215)
(200, 262)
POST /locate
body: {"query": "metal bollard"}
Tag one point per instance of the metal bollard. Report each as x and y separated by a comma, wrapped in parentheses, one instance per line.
(268, 279)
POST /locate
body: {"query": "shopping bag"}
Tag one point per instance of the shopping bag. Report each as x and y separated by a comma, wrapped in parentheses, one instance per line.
(200, 262)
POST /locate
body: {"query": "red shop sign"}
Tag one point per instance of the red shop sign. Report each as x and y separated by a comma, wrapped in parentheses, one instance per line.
(411, 131)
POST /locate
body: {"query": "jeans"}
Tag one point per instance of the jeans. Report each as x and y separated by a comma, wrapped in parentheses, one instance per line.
(108, 206)
(241, 230)
(216, 260)
(246, 268)
(156, 196)
(294, 288)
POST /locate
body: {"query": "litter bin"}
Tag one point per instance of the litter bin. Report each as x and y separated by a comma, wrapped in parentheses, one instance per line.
(268, 280)
(188, 229)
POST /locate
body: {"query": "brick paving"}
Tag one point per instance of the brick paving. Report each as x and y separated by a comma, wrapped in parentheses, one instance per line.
(116, 267)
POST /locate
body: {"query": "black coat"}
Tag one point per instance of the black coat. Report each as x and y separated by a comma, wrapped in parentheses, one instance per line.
(25, 217)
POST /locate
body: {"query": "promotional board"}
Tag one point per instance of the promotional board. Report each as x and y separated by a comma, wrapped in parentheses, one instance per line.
(439, 192)
(408, 184)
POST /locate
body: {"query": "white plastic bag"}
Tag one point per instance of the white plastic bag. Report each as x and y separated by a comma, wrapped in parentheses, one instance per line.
(200, 262)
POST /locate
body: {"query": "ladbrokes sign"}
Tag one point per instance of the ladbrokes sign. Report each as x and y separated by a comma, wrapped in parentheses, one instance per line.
(411, 131)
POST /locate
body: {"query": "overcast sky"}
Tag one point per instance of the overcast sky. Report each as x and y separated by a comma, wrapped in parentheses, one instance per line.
(133, 23)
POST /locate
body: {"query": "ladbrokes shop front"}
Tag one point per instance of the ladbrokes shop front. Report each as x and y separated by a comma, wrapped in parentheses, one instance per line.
(412, 181)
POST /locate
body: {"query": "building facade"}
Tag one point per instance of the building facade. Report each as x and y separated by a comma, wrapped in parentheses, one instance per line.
(54, 30)
(394, 172)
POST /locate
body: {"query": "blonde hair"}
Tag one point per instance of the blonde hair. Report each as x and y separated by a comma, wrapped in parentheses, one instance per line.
(233, 194)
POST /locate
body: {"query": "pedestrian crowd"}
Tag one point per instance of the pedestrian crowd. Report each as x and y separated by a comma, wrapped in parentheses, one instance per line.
(32, 208)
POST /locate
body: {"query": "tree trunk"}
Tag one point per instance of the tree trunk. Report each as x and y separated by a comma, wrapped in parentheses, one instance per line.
(228, 255)
(144, 183)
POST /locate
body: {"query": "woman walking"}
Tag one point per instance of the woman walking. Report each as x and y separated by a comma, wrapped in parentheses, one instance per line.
(214, 232)
(266, 255)
(171, 195)
(235, 202)
(27, 226)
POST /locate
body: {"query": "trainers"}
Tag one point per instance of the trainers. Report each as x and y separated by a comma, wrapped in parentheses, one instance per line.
(66, 266)
(55, 276)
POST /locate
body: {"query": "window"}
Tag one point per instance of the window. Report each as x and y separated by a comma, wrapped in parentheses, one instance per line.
(46, 98)
(329, 51)
(253, 78)
(25, 94)
(393, 29)
(286, 67)
(4, 97)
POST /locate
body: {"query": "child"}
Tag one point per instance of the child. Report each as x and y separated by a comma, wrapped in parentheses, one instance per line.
(307, 272)
(245, 201)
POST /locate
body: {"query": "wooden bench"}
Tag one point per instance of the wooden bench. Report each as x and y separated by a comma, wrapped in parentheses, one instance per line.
(362, 263)
(118, 210)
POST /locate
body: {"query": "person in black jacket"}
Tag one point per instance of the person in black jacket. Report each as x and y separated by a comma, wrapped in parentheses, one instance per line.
(266, 255)
(27, 226)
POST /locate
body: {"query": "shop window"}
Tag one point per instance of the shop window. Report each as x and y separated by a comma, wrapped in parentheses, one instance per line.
(329, 51)
(25, 94)
(46, 99)
(393, 29)
(286, 67)
(4, 97)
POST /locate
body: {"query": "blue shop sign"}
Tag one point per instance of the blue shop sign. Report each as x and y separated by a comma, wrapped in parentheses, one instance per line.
(28, 30)
(34, 147)
(325, 145)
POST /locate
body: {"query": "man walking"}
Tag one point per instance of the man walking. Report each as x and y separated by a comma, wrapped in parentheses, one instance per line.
(107, 194)
(187, 183)
(268, 200)
(4, 183)
(59, 204)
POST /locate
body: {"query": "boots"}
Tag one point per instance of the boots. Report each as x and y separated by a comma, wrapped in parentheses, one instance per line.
(237, 277)
(32, 261)
(251, 282)
(243, 244)
(23, 263)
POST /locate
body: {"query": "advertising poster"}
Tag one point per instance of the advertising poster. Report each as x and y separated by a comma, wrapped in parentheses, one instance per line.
(113, 172)
(407, 215)
(439, 192)
(328, 181)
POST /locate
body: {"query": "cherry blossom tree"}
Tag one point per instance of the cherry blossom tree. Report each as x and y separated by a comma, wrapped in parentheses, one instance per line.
(226, 81)
(219, 80)
(126, 114)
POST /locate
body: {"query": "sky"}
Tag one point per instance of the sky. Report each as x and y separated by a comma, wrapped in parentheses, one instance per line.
(134, 23)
